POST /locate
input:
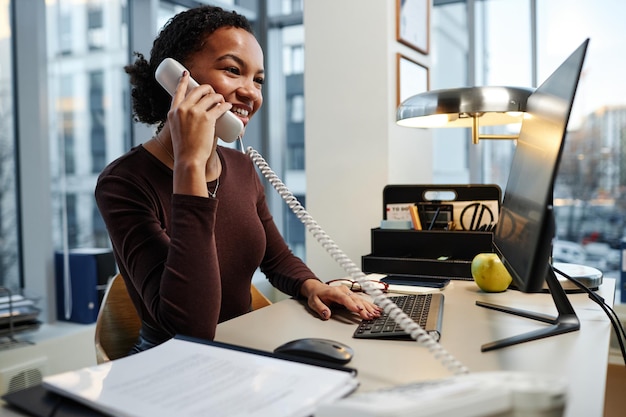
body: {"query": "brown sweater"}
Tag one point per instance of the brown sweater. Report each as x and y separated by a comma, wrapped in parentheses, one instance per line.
(188, 261)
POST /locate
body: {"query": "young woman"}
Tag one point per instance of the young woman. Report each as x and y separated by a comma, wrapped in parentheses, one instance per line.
(187, 218)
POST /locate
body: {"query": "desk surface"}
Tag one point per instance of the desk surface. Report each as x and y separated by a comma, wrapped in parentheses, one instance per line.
(580, 356)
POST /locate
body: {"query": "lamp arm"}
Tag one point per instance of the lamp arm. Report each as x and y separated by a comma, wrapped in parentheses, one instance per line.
(475, 129)
(509, 137)
(476, 135)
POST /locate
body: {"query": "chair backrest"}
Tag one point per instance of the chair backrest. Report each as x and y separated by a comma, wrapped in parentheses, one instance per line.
(117, 325)
(259, 300)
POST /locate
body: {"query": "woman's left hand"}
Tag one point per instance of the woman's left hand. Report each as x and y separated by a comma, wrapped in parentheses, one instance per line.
(321, 296)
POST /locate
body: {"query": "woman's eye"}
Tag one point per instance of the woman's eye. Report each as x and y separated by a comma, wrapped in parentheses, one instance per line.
(233, 70)
(260, 81)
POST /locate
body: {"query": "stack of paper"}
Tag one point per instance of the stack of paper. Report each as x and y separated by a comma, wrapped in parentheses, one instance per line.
(17, 314)
(184, 378)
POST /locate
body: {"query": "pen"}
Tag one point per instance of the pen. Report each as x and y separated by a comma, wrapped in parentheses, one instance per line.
(417, 224)
(432, 222)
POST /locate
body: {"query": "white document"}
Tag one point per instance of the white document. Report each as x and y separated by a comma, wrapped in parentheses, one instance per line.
(185, 379)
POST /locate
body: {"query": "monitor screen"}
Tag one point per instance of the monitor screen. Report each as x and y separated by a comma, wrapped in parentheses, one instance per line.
(523, 237)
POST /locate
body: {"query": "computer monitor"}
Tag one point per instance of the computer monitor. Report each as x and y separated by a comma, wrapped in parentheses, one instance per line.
(526, 225)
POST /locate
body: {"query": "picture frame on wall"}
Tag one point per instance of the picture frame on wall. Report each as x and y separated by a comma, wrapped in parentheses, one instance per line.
(413, 24)
(412, 78)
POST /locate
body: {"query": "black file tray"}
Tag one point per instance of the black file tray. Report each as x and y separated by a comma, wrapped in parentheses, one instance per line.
(429, 252)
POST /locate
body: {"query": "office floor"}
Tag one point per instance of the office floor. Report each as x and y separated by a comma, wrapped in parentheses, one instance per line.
(615, 400)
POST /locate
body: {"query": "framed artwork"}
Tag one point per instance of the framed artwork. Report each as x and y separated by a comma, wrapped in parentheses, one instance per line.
(412, 78)
(413, 24)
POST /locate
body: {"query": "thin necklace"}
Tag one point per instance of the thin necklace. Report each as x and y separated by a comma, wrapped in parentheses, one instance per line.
(217, 183)
(156, 137)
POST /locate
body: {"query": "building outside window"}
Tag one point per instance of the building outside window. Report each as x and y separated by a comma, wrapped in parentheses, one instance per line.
(9, 243)
(89, 119)
(590, 193)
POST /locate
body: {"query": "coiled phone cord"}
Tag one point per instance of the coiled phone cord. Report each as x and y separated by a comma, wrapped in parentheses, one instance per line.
(409, 325)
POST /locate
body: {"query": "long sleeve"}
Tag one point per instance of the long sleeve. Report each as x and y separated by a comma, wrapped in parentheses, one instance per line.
(165, 246)
(188, 260)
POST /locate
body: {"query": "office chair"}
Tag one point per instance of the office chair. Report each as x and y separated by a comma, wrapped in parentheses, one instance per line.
(259, 300)
(117, 325)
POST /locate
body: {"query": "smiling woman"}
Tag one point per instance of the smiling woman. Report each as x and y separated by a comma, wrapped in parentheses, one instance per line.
(72, 85)
(187, 218)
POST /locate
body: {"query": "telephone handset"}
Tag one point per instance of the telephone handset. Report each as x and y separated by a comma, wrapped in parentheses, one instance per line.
(228, 127)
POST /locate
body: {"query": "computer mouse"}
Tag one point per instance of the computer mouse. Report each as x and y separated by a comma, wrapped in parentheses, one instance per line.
(320, 349)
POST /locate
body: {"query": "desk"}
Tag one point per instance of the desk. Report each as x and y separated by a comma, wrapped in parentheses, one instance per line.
(580, 356)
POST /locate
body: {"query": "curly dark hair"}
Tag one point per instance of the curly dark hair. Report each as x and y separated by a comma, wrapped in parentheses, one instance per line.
(182, 36)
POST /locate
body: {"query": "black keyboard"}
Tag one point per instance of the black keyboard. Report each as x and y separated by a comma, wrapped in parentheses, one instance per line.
(425, 309)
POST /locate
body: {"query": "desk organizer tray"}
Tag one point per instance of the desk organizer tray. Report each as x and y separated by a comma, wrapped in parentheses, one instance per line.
(441, 253)
(18, 314)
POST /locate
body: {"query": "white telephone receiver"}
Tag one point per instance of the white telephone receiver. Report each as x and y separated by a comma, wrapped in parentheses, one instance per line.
(168, 73)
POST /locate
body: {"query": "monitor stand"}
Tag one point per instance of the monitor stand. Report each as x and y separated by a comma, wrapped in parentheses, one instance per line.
(565, 322)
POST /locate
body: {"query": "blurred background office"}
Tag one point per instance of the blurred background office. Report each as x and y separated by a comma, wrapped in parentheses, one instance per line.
(65, 113)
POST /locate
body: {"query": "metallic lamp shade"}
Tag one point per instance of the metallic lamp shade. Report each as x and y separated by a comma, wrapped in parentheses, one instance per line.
(465, 107)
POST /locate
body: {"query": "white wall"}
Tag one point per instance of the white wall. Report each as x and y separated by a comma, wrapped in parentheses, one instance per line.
(353, 146)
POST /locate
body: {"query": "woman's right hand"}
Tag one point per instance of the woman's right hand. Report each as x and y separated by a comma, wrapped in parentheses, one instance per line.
(191, 121)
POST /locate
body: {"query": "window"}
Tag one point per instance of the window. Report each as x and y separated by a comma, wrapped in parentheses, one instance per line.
(65, 33)
(95, 25)
(9, 217)
(284, 102)
(590, 199)
(88, 113)
(97, 120)
(66, 113)
(88, 122)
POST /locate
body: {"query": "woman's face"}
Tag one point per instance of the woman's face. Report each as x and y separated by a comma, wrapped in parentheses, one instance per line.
(232, 63)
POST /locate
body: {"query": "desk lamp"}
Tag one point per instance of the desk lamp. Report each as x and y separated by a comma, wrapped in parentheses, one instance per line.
(491, 106)
(466, 107)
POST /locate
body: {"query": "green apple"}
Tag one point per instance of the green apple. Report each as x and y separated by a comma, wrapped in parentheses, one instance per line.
(489, 273)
